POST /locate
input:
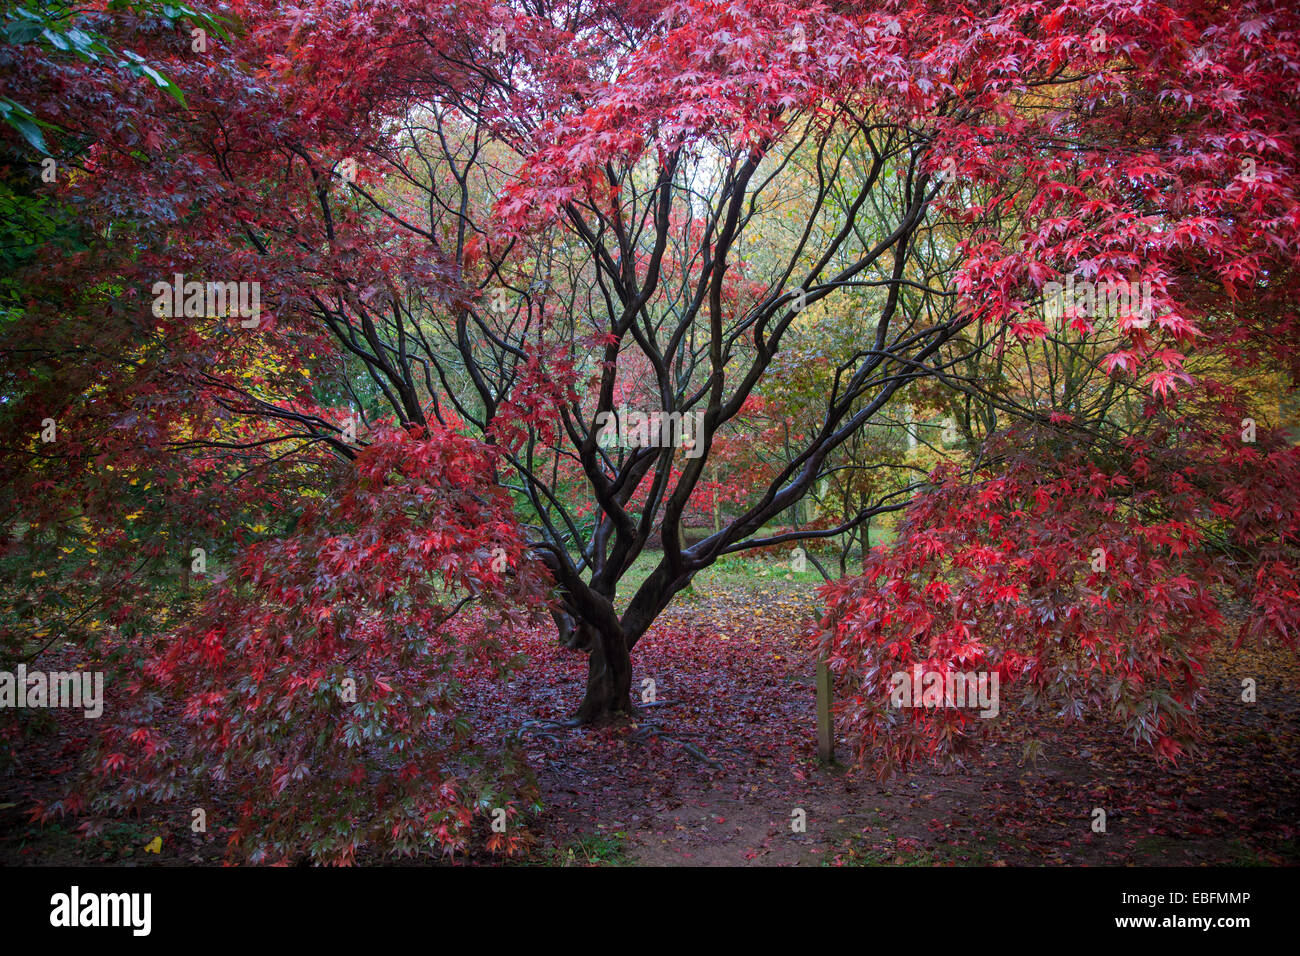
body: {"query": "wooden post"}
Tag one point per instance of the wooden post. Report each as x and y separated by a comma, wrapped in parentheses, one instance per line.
(825, 727)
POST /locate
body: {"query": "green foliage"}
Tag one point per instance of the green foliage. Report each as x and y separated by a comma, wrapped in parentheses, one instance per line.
(62, 29)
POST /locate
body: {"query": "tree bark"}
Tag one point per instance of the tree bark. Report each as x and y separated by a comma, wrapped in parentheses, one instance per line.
(609, 680)
(609, 641)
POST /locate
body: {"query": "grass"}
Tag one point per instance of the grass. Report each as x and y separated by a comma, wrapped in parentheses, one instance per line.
(116, 842)
(740, 573)
(593, 849)
(975, 854)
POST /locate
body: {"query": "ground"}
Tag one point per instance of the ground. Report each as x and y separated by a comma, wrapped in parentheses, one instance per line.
(717, 768)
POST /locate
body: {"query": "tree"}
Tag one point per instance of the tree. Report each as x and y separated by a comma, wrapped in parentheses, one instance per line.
(322, 679)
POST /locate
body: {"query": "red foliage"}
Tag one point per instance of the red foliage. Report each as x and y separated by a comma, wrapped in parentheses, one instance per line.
(1091, 583)
(320, 683)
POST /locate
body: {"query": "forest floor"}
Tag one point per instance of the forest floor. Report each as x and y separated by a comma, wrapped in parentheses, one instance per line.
(716, 773)
(718, 770)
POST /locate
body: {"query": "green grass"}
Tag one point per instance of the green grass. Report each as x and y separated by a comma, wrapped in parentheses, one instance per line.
(593, 849)
(118, 841)
(747, 571)
(976, 854)
(733, 573)
(1243, 854)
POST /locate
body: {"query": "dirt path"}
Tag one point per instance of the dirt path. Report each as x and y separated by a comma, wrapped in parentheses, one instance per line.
(718, 775)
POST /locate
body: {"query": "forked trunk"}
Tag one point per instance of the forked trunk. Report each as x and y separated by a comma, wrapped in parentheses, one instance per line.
(608, 642)
(609, 681)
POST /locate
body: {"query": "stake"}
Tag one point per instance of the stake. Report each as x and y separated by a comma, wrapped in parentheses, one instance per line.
(825, 727)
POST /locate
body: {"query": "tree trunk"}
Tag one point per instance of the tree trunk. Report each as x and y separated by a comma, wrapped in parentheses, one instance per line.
(609, 680)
